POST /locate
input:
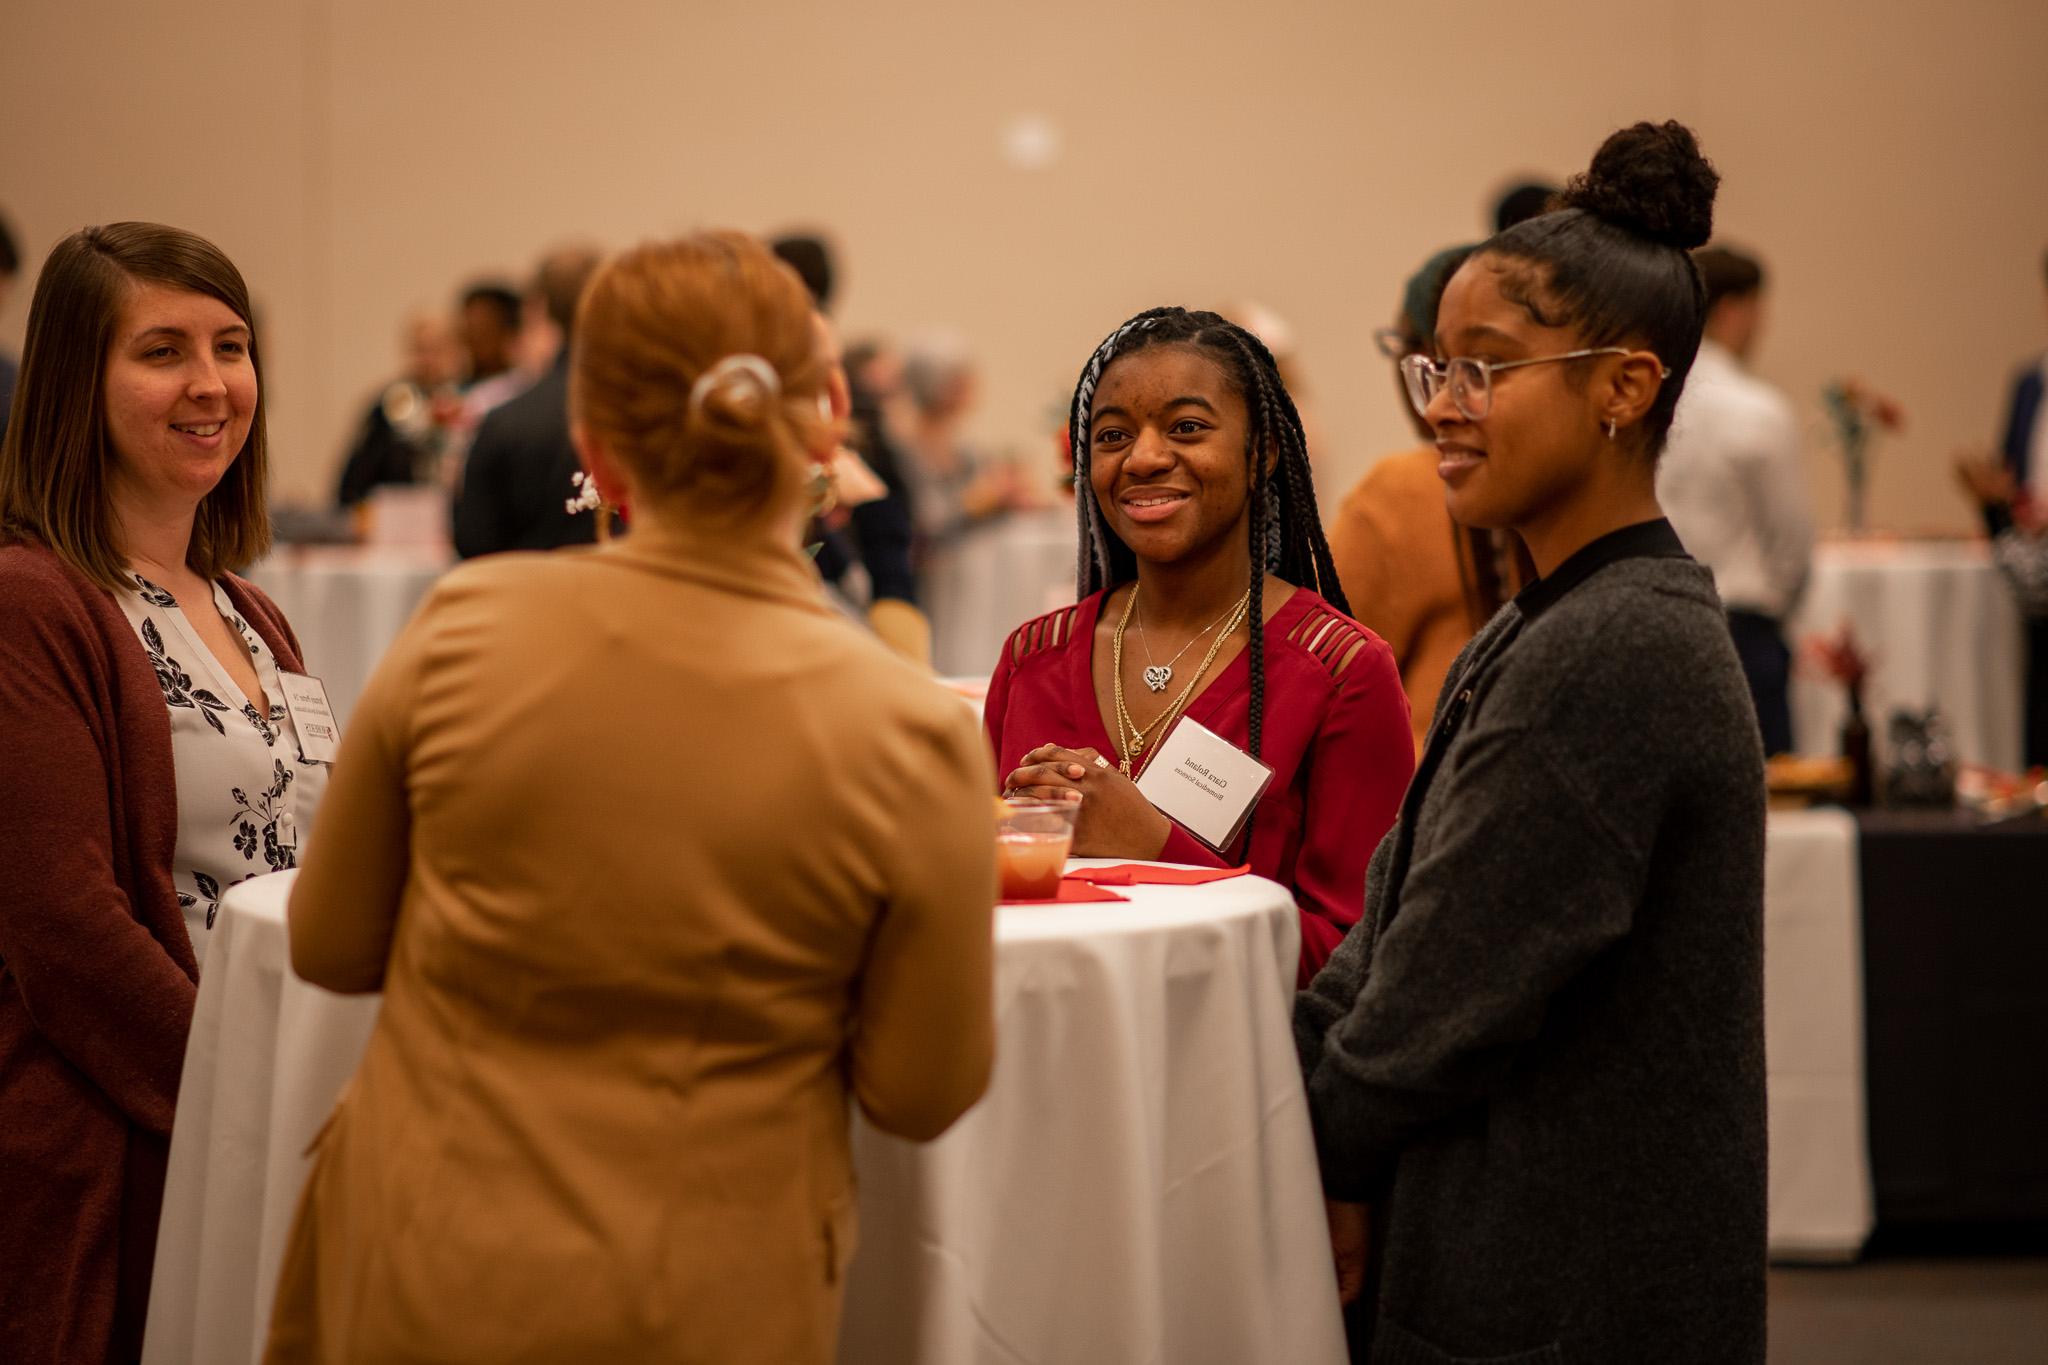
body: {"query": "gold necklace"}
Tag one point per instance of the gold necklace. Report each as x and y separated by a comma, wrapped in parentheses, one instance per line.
(1131, 739)
(1159, 676)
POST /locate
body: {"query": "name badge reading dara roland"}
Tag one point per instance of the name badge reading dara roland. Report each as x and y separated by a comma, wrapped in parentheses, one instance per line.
(1204, 783)
(306, 698)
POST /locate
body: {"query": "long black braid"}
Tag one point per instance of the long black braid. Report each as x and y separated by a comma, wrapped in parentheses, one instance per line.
(1294, 548)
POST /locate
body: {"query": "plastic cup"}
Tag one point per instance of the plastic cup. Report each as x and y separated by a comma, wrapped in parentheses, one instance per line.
(1032, 840)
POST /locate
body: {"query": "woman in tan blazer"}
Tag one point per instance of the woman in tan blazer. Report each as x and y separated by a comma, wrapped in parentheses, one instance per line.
(657, 861)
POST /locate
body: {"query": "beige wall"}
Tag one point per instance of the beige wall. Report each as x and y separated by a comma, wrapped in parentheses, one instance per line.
(359, 158)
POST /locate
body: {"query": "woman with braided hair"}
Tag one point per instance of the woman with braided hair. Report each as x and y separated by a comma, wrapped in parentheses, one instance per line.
(1206, 592)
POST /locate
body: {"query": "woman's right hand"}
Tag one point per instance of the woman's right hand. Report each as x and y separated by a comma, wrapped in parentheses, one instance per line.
(1350, 1243)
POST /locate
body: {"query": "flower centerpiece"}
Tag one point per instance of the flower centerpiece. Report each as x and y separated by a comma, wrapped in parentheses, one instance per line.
(1855, 410)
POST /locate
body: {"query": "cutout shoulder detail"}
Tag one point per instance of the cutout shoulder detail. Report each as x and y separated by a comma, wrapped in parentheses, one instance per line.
(1332, 639)
(1047, 632)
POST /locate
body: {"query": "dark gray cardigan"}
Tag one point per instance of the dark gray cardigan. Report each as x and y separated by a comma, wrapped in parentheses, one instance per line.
(1540, 1054)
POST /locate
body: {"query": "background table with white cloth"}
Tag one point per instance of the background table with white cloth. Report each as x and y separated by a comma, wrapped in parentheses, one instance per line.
(347, 603)
(1138, 1184)
(992, 579)
(1821, 1205)
(1943, 630)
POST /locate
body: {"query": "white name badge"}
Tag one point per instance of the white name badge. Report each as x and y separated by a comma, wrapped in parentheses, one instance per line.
(305, 697)
(1204, 783)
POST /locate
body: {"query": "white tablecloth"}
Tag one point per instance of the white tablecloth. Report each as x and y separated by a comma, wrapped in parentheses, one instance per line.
(347, 604)
(1820, 1198)
(267, 1059)
(992, 580)
(1944, 630)
(1139, 1184)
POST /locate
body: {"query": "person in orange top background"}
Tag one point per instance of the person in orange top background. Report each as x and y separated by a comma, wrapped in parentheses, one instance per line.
(1413, 577)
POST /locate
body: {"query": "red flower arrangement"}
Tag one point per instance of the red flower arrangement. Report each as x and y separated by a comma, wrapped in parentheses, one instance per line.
(1840, 657)
(1844, 660)
(1855, 408)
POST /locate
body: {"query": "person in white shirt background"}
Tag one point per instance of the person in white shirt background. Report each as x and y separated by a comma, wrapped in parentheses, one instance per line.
(1734, 487)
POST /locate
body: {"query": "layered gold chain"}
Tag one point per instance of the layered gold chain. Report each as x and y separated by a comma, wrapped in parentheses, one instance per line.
(1131, 738)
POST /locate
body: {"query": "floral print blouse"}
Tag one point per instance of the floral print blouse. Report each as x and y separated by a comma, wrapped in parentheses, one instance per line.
(245, 795)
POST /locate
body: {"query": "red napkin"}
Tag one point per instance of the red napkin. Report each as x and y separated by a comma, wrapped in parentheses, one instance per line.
(1146, 874)
(1071, 890)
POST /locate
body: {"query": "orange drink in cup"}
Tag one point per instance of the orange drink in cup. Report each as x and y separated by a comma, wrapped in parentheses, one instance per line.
(1032, 839)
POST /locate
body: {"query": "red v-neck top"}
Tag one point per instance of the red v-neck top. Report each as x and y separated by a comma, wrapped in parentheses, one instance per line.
(1336, 737)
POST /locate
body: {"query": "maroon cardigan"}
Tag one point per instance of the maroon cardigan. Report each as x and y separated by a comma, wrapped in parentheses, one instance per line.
(97, 975)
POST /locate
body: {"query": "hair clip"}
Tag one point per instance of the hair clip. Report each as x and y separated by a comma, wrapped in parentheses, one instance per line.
(760, 371)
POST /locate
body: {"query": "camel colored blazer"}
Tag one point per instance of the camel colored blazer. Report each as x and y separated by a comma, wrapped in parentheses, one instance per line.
(658, 863)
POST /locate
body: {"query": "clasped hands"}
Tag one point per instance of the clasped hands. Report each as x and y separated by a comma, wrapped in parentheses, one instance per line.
(1115, 821)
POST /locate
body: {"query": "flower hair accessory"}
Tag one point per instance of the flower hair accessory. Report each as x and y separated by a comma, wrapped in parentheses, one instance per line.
(587, 498)
(757, 371)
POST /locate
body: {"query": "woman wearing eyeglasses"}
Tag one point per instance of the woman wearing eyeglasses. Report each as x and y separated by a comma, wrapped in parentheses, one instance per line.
(1539, 1058)
(1414, 577)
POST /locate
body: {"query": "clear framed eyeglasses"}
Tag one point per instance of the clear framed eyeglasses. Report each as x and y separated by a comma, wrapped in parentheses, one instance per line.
(1471, 381)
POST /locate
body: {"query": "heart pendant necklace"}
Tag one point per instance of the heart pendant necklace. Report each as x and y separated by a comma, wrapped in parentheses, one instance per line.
(1132, 738)
(1159, 676)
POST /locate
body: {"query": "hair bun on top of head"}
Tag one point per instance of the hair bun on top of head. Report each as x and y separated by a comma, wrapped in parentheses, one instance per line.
(1650, 179)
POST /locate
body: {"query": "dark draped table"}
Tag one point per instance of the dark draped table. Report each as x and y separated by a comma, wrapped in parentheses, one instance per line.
(1955, 950)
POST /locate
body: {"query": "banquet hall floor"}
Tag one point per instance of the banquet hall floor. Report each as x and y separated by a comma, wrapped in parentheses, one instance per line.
(1909, 1311)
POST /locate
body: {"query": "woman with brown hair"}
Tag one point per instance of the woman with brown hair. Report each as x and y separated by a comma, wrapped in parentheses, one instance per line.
(658, 863)
(150, 761)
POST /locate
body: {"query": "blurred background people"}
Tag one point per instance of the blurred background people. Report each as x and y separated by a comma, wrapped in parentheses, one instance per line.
(490, 314)
(1521, 201)
(515, 480)
(809, 253)
(865, 549)
(2017, 523)
(147, 761)
(1733, 482)
(411, 425)
(2024, 444)
(639, 951)
(874, 375)
(2014, 502)
(499, 337)
(953, 485)
(1413, 576)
